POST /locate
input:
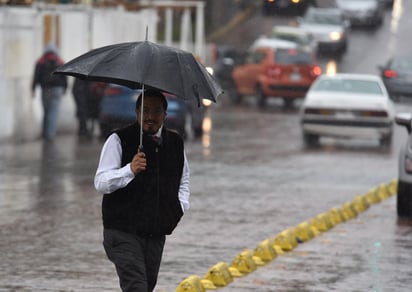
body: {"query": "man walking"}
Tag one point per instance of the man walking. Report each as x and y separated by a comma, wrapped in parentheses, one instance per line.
(146, 192)
(52, 89)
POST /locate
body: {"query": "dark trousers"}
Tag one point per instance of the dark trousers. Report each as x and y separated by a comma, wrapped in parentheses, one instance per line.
(136, 258)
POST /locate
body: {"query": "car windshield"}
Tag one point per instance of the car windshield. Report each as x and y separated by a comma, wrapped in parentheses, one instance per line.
(348, 85)
(293, 56)
(297, 38)
(321, 18)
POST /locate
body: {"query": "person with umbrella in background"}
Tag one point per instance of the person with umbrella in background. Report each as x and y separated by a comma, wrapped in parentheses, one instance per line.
(146, 191)
(52, 89)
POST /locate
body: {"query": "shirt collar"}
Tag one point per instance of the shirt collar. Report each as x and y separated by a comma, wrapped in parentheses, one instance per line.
(158, 134)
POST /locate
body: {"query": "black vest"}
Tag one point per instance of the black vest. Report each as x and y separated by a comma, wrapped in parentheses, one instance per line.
(149, 205)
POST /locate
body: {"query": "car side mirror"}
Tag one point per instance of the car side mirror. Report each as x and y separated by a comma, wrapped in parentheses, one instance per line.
(404, 119)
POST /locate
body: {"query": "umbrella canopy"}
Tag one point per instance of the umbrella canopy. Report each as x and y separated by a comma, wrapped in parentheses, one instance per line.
(146, 65)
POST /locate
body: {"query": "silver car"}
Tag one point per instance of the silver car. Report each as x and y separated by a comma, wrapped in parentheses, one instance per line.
(298, 35)
(362, 12)
(328, 26)
(404, 196)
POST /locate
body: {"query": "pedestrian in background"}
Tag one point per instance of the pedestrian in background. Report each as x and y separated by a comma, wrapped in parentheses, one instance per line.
(52, 89)
(145, 192)
(80, 91)
(97, 90)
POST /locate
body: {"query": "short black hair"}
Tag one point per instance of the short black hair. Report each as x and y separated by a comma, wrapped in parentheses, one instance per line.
(152, 92)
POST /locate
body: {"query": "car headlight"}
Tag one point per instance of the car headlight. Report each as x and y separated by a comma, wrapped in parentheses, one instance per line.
(206, 102)
(335, 35)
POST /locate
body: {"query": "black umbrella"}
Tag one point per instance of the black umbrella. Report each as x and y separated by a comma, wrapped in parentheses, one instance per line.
(145, 64)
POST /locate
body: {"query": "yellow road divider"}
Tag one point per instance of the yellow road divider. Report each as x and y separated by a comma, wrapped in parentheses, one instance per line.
(349, 211)
(244, 262)
(266, 250)
(219, 274)
(304, 232)
(286, 240)
(249, 260)
(193, 283)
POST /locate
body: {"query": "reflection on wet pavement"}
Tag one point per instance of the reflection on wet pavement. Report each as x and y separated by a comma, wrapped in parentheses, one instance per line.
(253, 181)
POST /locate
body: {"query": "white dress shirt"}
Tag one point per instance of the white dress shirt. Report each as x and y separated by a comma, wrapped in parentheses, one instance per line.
(110, 176)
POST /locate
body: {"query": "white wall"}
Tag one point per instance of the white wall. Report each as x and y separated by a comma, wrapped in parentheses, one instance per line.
(21, 38)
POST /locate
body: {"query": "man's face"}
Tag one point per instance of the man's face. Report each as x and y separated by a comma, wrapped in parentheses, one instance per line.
(153, 114)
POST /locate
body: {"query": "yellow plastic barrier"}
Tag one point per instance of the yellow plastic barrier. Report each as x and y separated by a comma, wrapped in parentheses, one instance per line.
(286, 240)
(235, 272)
(303, 232)
(265, 251)
(244, 262)
(393, 187)
(383, 192)
(349, 211)
(193, 283)
(219, 274)
(336, 215)
(372, 196)
(360, 203)
(322, 222)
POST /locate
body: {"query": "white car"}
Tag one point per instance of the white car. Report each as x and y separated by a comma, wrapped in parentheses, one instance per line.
(295, 34)
(329, 28)
(347, 106)
(267, 42)
(362, 12)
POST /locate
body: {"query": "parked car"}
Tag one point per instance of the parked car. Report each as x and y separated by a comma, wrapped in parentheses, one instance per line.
(295, 7)
(118, 109)
(397, 76)
(362, 12)
(329, 28)
(303, 38)
(404, 194)
(347, 106)
(278, 69)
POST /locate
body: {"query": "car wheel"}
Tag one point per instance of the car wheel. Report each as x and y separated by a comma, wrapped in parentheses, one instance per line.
(404, 199)
(261, 97)
(310, 139)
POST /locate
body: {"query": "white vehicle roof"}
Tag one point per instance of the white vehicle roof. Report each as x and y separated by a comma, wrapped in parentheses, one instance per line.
(290, 29)
(358, 76)
(264, 42)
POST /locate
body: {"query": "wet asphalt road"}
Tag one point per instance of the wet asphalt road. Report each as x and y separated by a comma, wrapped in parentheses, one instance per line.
(245, 188)
(251, 178)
